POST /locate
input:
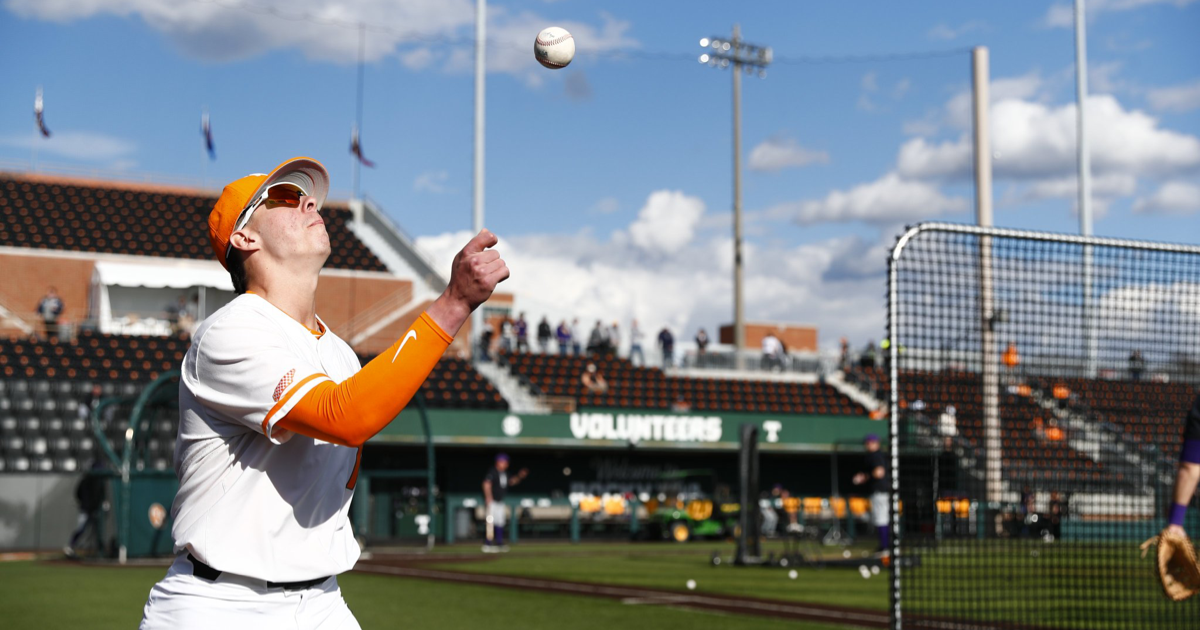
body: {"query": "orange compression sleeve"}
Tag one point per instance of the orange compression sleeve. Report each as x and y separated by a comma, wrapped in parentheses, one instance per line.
(351, 412)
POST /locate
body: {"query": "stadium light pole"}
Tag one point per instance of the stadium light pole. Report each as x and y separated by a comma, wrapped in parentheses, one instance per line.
(1084, 163)
(477, 321)
(746, 58)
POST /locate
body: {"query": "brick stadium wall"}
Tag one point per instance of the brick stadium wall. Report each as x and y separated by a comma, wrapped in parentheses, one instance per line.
(26, 279)
(341, 297)
(796, 338)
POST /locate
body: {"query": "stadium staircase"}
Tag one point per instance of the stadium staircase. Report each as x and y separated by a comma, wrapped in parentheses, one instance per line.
(520, 398)
(854, 392)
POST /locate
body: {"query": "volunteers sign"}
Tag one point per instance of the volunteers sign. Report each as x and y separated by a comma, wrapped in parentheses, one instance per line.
(622, 428)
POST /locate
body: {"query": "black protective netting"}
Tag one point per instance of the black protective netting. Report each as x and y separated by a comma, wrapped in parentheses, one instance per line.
(1034, 457)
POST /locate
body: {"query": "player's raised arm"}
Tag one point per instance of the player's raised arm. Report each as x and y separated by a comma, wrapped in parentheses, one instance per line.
(351, 412)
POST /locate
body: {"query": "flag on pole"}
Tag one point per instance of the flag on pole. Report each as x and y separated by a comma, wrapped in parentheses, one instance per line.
(356, 149)
(37, 114)
(206, 130)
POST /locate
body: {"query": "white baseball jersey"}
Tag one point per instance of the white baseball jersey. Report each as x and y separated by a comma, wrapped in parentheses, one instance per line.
(256, 500)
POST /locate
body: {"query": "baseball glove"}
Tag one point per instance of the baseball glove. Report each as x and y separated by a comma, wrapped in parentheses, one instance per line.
(1176, 567)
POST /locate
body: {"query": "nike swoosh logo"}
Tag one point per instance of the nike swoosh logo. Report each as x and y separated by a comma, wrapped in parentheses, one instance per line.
(412, 334)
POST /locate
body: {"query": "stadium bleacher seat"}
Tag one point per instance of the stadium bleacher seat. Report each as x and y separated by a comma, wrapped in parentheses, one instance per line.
(640, 387)
(64, 216)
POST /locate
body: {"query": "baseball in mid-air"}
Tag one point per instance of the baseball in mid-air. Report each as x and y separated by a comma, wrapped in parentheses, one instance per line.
(554, 47)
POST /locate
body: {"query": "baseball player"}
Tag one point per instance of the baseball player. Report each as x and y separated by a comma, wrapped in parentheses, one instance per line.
(274, 410)
(1189, 470)
(495, 487)
(880, 482)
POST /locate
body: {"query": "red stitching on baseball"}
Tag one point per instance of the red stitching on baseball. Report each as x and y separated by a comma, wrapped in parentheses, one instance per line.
(561, 39)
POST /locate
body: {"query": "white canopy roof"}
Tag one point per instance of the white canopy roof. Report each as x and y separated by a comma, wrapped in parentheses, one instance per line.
(163, 275)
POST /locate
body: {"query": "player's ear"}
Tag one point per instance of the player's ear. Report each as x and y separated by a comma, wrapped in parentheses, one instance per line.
(246, 240)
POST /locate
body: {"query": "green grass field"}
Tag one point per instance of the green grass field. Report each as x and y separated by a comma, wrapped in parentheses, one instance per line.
(45, 594)
(980, 581)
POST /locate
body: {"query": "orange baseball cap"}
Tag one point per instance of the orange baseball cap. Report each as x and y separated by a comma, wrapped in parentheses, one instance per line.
(246, 193)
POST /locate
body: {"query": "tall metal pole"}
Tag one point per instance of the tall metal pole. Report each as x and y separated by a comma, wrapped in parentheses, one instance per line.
(477, 322)
(989, 353)
(742, 57)
(1085, 180)
(739, 323)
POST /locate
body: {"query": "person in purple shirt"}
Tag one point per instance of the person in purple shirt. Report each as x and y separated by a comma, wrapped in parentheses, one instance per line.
(1189, 470)
(564, 338)
(522, 329)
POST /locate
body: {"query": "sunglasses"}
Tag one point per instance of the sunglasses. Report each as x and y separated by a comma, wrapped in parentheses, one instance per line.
(277, 195)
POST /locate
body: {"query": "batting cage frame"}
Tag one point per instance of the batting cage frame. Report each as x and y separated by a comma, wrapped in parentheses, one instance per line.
(1038, 386)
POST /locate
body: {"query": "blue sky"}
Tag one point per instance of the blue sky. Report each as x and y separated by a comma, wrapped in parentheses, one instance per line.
(610, 181)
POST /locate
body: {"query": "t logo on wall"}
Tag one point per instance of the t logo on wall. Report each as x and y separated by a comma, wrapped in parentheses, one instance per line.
(511, 426)
(772, 428)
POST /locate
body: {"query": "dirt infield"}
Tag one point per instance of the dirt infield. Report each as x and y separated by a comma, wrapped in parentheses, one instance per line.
(407, 565)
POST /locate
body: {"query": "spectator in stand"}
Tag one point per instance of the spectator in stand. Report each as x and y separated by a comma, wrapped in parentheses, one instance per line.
(878, 482)
(1011, 358)
(593, 380)
(681, 405)
(576, 337)
(635, 343)
(772, 350)
(948, 426)
(614, 339)
(598, 340)
(844, 362)
(85, 410)
(544, 334)
(869, 358)
(701, 347)
(50, 308)
(1137, 365)
(521, 327)
(181, 316)
(90, 495)
(506, 334)
(485, 343)
(564, 338)
(666, 342)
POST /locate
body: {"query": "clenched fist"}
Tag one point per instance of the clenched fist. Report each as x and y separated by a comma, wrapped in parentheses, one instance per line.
(476, 271)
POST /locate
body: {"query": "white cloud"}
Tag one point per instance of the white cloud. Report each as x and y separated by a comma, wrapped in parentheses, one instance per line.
(1173, 197)
(774, 154)
(946, 32)
(77, 145)
(1102, 78)
(1036, 141)
(421, 33)
(1063, 15)
(1176, 98)
(667, 222)
(889, 199)
(607, 205)
(1107, 185)
(321, 29)
(432, 182)
(959, 109)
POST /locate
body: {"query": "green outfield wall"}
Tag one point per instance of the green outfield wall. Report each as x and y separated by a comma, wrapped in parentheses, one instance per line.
(619, 428)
